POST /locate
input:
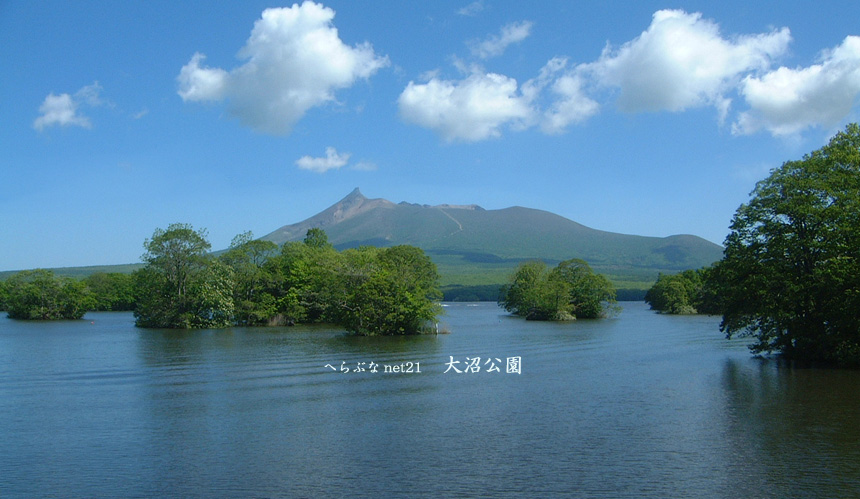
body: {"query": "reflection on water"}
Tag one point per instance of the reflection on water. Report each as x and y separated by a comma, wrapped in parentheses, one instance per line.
(801, 423)
(642, 405)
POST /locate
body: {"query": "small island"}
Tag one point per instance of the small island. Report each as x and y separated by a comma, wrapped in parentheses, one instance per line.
(368, 290)
(569, 291)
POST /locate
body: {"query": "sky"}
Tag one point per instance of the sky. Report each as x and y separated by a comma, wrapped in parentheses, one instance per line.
(647, 118)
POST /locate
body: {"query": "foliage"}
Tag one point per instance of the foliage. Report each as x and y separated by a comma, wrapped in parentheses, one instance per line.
(368, 291)
(304, 277)
(688, 292)
(40, 295)
(253, 279)
(317, 238)
(791, 272)
(388, 291)
(570, 290)
(111, 291)
(181, 286)
(4, 295)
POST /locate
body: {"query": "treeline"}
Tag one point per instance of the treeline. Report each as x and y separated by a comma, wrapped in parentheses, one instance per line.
(569, 291)
(41, 295)
(790, 274)
(688, 292)
(367, 290)
(491, 292)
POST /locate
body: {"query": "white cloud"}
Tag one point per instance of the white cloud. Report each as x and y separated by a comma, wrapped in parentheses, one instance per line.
(294, 61)
(495, 45)
(569, 104)
(197, 83)
(479, 106)
(469, 110)
(472, 9)
(63, 109)
(90, 95)
(572, 105)
(786, 101)
(681, 61)
(332, 160)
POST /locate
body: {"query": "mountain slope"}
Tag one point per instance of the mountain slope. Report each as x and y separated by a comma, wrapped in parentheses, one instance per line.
(469, 241)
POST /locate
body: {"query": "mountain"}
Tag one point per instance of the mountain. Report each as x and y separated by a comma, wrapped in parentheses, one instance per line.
(472, 245)
(476, 249)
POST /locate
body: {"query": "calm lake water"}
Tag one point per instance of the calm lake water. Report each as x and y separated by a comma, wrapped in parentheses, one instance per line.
(642, 405)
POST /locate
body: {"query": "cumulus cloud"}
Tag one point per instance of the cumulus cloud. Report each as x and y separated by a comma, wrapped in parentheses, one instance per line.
(294, 61)
(331, 161)
(681, 61)
(567, 100)
(469, 110)
(786, 101)
(481, 105)
(197, 83)
(495, 45)
(64, 109)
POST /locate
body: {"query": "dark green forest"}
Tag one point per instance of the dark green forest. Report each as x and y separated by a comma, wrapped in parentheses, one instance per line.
(790, 275)
(367, 290)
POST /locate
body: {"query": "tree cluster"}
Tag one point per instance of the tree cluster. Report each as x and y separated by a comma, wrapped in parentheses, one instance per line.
(688, 292)
(367, 290)
(40, 295)
(790, 276)
(110, 291)
(570, 290)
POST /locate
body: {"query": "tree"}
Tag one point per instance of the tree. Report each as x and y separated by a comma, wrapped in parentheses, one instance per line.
(524, 294)
(391, 291)
(688, 292)
(303, 279)
(111, 291)
(790, 276)
(253, 280)
(4, 296)
(590, 295)
(181, 286)
(317, 238)
(39, 294)
(568, 291)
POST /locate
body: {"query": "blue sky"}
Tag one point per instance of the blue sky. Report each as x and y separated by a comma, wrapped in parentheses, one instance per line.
(637, 117)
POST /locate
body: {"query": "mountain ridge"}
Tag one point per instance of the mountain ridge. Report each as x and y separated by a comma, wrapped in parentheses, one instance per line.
(468, 240)
(477, 249)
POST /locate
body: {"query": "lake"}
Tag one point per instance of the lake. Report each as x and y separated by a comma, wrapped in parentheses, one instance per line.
(641, 405)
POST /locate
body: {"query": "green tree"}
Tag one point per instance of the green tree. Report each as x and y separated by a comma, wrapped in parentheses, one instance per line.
(391, 291)
(182, 286)
(688, 292)
(317, 238)
(211, 297)
(4, 296)
(40, 295)
(590, 295)
(111, 291)
(303, 279)
(790, 276)
(568, 291)
(252, 292)
(524, 295)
